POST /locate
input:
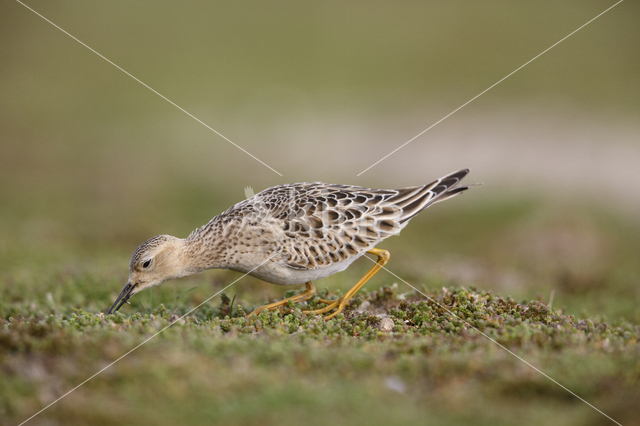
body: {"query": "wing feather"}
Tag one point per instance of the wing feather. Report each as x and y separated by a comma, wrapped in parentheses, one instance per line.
(323, 224)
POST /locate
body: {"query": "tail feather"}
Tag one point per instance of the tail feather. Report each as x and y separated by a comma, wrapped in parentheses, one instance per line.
(406, 195)
(451, 193)
(414, 200)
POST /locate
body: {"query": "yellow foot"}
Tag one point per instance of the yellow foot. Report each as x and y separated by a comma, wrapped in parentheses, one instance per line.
(339, 305)
(305, 295)
(331, 305)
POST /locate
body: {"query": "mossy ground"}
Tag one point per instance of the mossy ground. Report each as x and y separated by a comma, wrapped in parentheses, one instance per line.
(287, 367)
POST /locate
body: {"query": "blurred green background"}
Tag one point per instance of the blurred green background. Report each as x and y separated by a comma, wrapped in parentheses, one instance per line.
(92, 163)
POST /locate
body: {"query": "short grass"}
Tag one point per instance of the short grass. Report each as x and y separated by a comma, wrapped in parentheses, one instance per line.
(214, 365)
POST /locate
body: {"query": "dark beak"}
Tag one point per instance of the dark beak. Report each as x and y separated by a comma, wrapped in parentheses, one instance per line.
(123, 298)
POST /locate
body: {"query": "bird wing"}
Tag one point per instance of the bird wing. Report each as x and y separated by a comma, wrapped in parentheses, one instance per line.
(323, 224)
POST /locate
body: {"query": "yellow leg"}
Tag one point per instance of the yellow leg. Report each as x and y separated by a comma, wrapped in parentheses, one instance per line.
(339, 305)
(305, 295)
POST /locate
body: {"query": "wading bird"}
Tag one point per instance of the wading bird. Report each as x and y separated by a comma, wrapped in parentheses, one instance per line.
(289, 235)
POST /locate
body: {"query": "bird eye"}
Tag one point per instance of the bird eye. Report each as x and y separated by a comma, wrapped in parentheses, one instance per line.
(146, 263)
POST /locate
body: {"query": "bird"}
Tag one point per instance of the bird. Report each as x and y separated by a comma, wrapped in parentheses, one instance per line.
(289, 235)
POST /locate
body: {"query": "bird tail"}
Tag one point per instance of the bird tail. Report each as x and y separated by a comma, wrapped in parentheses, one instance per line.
(415, 199)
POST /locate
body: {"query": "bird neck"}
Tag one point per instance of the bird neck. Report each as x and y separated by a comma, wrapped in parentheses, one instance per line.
(205, 248)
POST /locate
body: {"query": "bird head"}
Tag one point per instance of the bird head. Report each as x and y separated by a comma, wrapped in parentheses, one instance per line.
(157, 260)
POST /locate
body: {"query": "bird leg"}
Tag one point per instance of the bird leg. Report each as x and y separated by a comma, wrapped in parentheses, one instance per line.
(305, 295)
(339, 305)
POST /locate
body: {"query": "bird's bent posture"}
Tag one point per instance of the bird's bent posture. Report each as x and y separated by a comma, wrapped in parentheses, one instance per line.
(290, 235)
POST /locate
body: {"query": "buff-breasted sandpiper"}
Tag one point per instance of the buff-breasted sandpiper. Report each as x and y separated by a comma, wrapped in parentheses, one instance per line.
(289, 235)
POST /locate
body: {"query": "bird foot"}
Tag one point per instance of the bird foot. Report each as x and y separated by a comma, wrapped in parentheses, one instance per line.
(305, 295)
(338, 305)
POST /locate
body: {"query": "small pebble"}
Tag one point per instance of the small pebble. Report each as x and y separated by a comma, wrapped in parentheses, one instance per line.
(364, 306)
(386, 324)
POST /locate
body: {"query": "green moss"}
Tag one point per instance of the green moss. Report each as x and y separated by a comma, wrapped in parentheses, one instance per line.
(271, 366)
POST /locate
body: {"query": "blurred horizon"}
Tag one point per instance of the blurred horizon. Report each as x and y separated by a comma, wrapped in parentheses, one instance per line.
(320, 93)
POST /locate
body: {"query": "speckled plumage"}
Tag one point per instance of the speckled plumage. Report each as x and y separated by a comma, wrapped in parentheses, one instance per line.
(312, 226)
(289, 234)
